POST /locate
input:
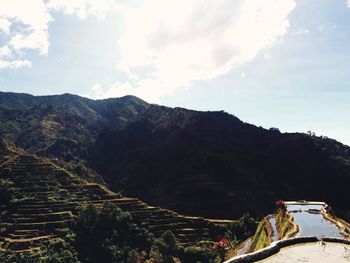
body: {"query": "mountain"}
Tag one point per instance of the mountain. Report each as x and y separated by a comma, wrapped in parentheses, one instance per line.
(208, 164)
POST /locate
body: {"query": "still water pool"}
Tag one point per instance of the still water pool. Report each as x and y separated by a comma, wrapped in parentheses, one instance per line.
(311, 222)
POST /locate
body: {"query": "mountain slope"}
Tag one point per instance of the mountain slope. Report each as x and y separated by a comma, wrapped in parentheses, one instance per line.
(199, 163)
(46, 198)
(212, 164)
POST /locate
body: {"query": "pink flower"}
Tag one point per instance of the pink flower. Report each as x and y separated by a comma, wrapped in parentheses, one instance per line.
(221, 245)
(280, 203)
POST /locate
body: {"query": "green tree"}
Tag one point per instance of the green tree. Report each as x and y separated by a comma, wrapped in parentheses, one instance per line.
(59, 251)
(133, 256)
(107, 234)
(166, 247)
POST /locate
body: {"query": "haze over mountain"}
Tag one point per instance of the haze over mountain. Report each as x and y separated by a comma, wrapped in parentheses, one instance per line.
(208, 164)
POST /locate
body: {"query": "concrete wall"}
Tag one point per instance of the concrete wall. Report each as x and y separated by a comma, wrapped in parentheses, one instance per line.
(275, 247)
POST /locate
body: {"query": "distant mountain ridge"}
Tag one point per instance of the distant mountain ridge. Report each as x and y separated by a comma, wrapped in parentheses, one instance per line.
(209, 164)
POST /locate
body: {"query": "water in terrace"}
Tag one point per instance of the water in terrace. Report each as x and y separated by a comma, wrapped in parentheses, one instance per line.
(312, 253)
(275, 235)
(244, 249)
(311, 221)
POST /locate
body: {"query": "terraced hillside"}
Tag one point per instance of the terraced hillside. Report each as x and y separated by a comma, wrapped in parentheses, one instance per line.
(47, 197)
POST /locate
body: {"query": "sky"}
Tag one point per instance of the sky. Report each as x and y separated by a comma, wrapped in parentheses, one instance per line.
(273, 63)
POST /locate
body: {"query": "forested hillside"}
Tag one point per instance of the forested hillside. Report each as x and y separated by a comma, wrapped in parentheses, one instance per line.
(208, 164)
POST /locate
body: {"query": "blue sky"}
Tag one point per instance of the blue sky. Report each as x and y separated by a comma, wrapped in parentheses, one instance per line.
(274, 63)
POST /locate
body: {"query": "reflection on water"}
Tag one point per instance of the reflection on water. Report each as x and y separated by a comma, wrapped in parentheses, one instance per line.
(306, 207)
(245, 248)
(275, 236)
(311, 222)
(312, 252)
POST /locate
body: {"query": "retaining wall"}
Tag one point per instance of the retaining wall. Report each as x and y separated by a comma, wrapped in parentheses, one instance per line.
(275, 247)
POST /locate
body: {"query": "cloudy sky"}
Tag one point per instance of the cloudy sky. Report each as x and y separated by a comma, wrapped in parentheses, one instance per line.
(274, 63)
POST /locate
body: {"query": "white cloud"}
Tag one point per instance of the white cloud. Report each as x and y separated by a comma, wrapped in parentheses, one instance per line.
(5, 25)
(5, 51)
(267, 57)
(188, 40)
(26, 24)
(301, 31)
(36, 40)
(96, 87)
(348, 3)
(15, 64)
(97, 91)
(34, 18)
(83, 8)
(118, 89)
(178, 41)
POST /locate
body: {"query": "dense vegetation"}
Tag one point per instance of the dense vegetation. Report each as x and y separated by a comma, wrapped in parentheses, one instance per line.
(107, 234)
(209, 164)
